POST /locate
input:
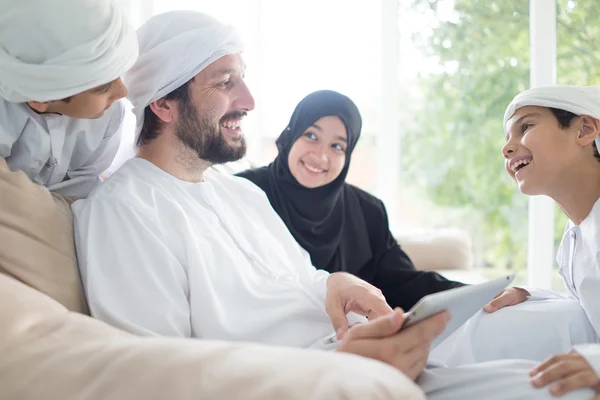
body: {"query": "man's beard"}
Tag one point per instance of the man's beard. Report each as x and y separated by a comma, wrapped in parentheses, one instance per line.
(204, 138)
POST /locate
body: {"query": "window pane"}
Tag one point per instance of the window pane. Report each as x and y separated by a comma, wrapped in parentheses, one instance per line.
(464, 62)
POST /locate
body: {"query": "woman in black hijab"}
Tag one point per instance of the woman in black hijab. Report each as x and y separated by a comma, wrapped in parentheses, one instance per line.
(342, 227)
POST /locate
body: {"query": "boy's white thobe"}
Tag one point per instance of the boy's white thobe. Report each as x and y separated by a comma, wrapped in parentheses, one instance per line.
(65, 154)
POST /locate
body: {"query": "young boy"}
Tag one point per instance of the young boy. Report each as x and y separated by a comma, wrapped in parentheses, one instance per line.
(60, 68)
(552, 149)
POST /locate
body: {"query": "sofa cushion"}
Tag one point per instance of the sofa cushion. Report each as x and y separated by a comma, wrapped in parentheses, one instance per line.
(437, 249)
(36, 233)
(51, 353)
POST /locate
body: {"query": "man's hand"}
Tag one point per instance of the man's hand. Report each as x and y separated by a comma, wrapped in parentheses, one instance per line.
(508, 297)
(382, 340)
(567, 372)
(347, 293)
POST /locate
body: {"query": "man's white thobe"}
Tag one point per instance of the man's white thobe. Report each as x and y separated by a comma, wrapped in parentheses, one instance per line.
(210, 260)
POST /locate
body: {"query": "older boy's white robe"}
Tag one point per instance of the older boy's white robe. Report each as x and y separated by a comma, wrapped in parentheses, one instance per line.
(65, 154)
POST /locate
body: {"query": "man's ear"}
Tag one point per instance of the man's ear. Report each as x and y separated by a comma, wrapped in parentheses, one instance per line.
(163, 109)
(588, 130)
(39, 106)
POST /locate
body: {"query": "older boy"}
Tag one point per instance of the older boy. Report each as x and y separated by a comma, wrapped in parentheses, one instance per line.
(60, 68)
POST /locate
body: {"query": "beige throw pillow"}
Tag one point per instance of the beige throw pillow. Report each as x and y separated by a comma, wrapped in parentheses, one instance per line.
(36, 239)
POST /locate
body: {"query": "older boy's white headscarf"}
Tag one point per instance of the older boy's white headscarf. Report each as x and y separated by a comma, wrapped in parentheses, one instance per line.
(53, 49)
(174, 47)
(580, 100)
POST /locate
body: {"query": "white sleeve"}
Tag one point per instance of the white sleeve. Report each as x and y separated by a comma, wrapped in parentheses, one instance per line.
(591, 353)
(320, 277)
(8, 136)
(131, 278)
(81, 181)
(314, 279)
(317, 276)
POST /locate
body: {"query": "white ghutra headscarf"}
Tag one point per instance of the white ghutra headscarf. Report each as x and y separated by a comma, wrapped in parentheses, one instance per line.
(53, 49)
(580, 100)
(174, 47)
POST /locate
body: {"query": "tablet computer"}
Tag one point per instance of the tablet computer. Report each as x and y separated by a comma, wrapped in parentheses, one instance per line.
(462, 303)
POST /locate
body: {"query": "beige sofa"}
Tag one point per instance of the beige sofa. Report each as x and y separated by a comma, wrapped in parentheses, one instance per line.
(448, 252)
(50, 349)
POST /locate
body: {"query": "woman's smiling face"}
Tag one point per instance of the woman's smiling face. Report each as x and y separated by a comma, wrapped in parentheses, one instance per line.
(318, 156)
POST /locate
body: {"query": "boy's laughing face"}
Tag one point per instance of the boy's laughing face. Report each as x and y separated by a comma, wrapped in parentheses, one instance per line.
(539, 154)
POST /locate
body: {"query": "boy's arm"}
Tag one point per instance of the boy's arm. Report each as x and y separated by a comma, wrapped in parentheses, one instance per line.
(8, 136)
(131, 278)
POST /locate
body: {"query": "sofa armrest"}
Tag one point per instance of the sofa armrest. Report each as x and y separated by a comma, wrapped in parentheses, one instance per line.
(51, 353)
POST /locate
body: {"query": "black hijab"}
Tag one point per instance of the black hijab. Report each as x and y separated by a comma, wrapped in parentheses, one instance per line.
(326, 221)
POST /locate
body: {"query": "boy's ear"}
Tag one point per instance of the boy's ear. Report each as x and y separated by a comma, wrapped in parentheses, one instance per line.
(39, 106)
(163, 109)
(588, 130)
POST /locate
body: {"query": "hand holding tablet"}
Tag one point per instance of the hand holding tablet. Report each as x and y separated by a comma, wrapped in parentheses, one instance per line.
(382, 339)
(404, 340)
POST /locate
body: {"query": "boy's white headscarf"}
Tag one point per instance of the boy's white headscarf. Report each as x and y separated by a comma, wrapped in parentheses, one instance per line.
(53, 49)
(174, 47)
(580, 100)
